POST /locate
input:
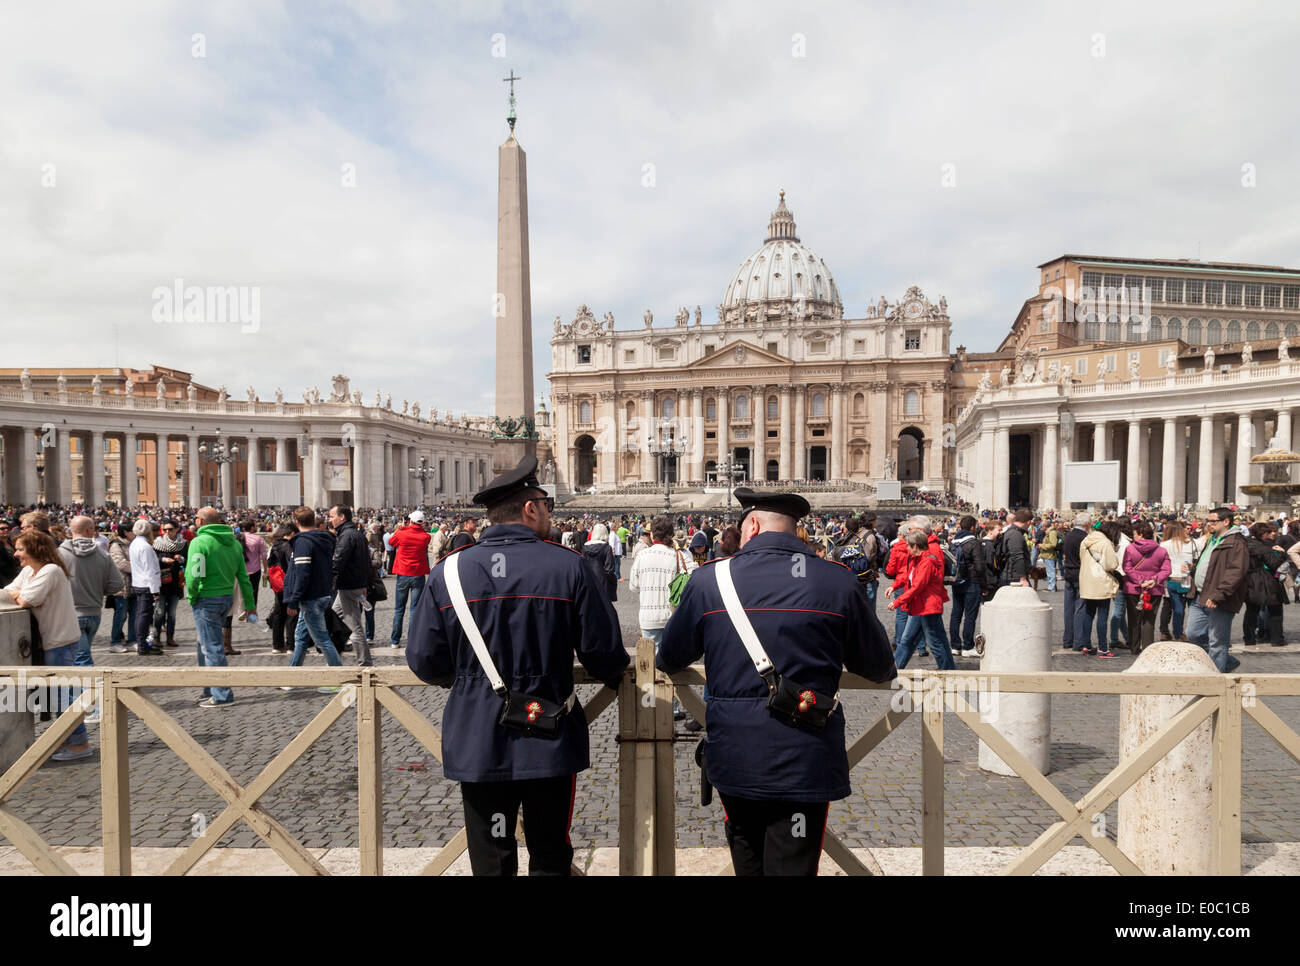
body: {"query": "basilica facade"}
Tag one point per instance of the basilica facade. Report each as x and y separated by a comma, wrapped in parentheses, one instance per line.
(782, 387)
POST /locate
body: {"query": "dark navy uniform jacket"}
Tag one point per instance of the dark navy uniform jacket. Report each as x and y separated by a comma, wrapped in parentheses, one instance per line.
(812, 620)
(536, 605)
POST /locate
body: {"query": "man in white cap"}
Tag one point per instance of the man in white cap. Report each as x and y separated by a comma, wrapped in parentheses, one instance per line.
(411, 565)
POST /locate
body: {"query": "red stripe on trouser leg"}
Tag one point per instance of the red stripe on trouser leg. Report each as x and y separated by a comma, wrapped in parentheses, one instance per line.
(573, 791)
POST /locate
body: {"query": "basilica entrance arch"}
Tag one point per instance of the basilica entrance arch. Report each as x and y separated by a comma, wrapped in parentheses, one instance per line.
(911, 468)
(584, 452)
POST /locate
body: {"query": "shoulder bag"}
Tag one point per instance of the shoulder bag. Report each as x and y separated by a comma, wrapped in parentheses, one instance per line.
(677, 586)
(532, 716)
(787, 701)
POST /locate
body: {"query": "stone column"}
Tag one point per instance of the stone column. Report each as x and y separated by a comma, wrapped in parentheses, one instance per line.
(1099, 441)
(282, 455)
(724, 423)
(561, 443)
(1051, 463)
(59, 457)
(982, 472)
(193, 471)
(1182, 456)
(1242, 440)
(1284, 432)
(1216, 460)
(758, 452)
(163, 470)
(837, 433)
(620, 444)
(608, 433)
(1169, 462)
(1133, 475)
(800, 464)
(1001, 467)
(360, 482)
(27, 453)
(1257, 443)
(130, 491)
(1018, 627)
(787, 431)
(227, 474)
(92, 469)
(388, 473)
(696, 437)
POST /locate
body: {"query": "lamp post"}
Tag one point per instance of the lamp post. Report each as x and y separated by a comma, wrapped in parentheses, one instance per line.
(729, 469)
(668, 450)
(424, 472)
(220, 453)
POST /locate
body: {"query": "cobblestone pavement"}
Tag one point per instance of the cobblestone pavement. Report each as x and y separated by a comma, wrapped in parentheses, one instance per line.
(316, 800)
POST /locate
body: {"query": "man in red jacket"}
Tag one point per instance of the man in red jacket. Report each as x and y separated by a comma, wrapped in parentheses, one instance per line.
(410, 545)
(919, 588)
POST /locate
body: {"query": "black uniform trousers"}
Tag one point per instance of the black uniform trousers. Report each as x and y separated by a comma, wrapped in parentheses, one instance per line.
(774, 837)
(490, 812)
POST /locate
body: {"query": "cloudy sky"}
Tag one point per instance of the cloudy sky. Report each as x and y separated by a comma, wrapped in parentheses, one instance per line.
(340, 160)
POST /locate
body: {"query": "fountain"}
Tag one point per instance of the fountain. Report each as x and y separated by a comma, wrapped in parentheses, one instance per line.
(1277, 492)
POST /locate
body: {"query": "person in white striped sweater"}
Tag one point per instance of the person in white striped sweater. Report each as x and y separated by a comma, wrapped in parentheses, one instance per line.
(653, 568)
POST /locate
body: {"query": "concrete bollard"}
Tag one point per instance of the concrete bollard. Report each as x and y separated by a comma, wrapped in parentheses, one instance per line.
(17, 729)
(1017, 629)
(1166, 819)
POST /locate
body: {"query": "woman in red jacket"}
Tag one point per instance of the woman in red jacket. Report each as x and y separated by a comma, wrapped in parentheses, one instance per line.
(919, 588)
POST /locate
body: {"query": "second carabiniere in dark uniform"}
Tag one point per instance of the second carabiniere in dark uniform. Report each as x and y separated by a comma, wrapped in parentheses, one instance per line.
(775, 749)
(513, 733)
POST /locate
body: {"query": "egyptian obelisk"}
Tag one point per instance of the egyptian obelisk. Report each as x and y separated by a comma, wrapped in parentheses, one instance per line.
(514, 434)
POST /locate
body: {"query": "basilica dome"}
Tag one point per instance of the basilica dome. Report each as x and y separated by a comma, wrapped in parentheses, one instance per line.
(783, 279)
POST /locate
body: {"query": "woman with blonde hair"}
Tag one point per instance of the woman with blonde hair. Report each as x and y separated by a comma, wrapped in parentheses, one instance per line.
(1181, 550)
(43, 587)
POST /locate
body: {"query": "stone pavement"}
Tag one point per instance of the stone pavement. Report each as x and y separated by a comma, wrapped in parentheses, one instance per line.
(316, 800)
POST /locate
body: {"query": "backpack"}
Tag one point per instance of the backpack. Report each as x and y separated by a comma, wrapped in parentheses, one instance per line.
(998, 563)
(275, 577)
(963, 569)
(949, 566)
(860, 558)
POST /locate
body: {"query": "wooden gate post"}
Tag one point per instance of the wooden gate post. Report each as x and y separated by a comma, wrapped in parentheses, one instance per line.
(115, 778)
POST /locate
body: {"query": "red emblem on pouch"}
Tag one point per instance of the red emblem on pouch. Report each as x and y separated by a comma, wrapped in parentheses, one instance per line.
(534, 711)
(806, 700)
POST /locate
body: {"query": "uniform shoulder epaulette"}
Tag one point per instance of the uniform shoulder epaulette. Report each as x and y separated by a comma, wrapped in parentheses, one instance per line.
(561, 546)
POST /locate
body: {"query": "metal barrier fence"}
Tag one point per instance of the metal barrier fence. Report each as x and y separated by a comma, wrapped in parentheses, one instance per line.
(647, 843)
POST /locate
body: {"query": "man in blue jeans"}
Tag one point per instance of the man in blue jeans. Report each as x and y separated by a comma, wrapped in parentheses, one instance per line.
(307, 586)
(411, 565)
(214, 567)
(93, 577)
(1218, 588)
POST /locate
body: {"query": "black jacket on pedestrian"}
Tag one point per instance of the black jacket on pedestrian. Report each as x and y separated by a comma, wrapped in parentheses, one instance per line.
(311, 567)
(351, 563)
(1070, 554)
(1017, 551)
(599, 558)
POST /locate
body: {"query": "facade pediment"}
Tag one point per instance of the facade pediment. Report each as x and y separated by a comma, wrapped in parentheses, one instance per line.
(739, 354)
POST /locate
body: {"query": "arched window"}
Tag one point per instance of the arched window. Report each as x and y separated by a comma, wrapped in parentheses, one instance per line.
(911, 403)
(1134, 328)
(1233, 331)
(1155, 329)
(1252, 331)
(584, 412)
(666, 407)
(631, 410)
(773, 408)
(1194, 331)
(818, 404)
(742, 407)
(1092, 329)
(1214, 332)
(859, 404)
(710, 409)
(1175, 328)
(1292, 330)
(1112, 328)
(1271, 331)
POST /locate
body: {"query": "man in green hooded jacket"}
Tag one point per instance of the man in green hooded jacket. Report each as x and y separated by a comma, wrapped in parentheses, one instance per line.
(214, 562)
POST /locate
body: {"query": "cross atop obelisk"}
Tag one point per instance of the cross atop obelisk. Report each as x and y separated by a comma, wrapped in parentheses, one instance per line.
(510, 118)
(514, 434)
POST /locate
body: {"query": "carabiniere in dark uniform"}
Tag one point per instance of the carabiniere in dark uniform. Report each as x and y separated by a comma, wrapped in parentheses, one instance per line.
(521, 742)
(775, 749)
